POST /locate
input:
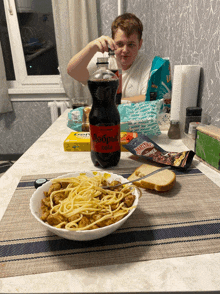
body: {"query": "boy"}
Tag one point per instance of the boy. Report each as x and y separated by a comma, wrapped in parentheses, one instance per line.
(126, 41)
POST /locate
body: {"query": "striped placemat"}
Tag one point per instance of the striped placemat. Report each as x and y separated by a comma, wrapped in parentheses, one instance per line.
(184, 221)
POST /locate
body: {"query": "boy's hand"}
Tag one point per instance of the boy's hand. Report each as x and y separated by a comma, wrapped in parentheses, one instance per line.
(103, 43)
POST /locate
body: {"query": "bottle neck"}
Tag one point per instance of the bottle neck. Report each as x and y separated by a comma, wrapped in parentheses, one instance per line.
(112, 63)
(102, 66)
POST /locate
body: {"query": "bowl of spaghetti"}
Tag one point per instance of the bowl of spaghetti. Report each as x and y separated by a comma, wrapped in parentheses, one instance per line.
(76, 207)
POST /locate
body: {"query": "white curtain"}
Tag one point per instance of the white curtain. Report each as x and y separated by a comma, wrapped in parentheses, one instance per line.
(5, 103)
(76, 25)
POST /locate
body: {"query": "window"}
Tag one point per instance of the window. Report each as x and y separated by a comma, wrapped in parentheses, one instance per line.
(29, 46)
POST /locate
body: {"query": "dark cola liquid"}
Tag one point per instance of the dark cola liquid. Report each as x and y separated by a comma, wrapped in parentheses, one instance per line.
(104, 122)
(119, 90)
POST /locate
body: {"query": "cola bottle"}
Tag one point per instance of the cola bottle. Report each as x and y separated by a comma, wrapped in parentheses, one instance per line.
(113, 66)
(104, 118)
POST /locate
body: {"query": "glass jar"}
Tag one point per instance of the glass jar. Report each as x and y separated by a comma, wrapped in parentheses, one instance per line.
(174, 130)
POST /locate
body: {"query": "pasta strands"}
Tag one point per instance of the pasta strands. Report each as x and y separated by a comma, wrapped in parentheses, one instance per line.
(84, 205)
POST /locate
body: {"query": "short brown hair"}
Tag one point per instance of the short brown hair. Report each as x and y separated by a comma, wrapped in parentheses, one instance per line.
(129, 23)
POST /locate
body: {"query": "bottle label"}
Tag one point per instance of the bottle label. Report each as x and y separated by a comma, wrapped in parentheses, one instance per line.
(105, 139)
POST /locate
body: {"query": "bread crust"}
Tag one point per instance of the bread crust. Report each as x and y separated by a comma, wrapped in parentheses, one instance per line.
(161, 181)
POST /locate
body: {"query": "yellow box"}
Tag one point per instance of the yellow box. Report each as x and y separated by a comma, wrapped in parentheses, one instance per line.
(80, 141)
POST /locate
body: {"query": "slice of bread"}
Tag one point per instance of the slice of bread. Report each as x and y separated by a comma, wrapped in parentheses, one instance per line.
(161, 181)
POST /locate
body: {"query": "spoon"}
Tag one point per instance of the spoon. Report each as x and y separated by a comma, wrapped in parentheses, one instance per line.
(136, 180)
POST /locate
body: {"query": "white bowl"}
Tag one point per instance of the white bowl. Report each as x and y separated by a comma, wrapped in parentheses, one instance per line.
(84, 235)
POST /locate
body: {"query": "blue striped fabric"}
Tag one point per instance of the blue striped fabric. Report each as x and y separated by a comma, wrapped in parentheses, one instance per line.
(121, 238)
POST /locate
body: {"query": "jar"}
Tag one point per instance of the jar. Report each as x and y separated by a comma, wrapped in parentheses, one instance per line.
(174, 130)
(193, 114)
(192, 129)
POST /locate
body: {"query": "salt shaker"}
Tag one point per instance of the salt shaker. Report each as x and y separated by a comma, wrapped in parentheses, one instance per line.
(174, 130)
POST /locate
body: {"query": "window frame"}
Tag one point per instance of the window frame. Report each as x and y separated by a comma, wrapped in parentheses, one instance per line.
(24, 83)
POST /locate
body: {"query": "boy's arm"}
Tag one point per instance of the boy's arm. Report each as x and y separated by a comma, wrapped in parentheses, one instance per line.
(77, 66)
(139, 98)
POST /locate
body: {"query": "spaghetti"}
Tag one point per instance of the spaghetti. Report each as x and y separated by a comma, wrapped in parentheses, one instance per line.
(80, 203)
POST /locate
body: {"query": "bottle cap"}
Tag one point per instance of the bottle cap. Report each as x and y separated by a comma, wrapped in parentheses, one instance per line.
(111, 52)
(39, 182)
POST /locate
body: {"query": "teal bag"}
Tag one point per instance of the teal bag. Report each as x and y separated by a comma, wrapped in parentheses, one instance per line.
(159, 84)
(141, 118)
(75, 119)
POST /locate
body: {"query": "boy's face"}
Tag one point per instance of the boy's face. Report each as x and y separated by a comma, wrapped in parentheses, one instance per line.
(127, 48)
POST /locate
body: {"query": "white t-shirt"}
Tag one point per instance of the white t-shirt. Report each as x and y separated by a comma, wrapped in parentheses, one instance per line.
(134, 79)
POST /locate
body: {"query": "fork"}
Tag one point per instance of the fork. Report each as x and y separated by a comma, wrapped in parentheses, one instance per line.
(129, 182)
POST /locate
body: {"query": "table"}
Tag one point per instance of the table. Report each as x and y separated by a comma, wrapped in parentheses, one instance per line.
(46, 155)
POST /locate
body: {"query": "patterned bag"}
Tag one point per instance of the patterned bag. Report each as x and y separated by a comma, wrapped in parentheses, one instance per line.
(141, 118)
(159, 84)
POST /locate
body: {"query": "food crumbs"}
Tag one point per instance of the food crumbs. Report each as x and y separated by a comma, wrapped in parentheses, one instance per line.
(106, 176)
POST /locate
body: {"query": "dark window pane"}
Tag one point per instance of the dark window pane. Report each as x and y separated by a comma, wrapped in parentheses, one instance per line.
(38, 37)
(6, 48)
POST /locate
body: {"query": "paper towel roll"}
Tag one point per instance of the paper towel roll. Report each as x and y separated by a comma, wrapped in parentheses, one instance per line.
(176, 93)
(185, 90)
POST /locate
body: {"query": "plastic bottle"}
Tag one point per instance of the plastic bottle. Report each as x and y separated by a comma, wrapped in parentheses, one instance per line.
(113, 66)
(104, 118)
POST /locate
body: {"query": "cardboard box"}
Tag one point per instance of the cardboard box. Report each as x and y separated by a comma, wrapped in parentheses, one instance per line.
(207, 145)
(80, 141)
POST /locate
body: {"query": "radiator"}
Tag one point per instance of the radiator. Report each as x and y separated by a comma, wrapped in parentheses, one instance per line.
(57, 108)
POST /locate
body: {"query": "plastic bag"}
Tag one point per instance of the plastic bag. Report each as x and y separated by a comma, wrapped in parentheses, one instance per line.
(159, 84)
(141, 118)
(75, 117)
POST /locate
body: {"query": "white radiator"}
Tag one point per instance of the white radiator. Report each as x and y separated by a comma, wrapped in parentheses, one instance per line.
(57, 108)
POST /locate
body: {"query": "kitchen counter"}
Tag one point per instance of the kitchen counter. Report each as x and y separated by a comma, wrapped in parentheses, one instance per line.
(46, 155)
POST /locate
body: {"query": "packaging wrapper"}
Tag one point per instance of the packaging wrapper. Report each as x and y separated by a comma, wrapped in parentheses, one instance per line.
(159, 84)
(144, 147)
(141, 118)
(75, 119)
(80, 141)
